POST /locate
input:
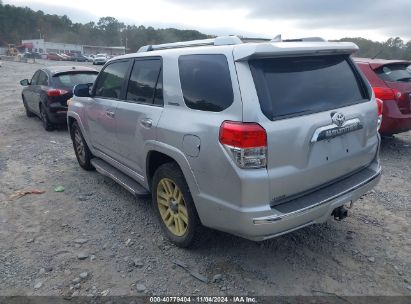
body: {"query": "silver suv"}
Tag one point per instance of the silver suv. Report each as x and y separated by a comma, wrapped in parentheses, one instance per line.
(256, 139)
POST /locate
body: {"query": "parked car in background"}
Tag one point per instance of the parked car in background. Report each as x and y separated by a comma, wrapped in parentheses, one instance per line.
(254, 139)
(79, 58)
(32, 55)
(54, 56)
(46, 94)
(65, 57)
(100, 59)
(391, 82)
(90, 58)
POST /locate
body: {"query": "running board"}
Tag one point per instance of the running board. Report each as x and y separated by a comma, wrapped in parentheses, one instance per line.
(124, 180)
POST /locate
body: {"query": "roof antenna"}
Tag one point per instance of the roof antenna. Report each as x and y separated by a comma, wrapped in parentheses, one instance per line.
(276, 39)
(376, 54)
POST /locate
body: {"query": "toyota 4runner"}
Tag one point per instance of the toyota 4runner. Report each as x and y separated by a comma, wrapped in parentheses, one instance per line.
(255, 139)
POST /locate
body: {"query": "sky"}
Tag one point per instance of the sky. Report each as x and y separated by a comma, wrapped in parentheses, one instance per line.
(331, 19)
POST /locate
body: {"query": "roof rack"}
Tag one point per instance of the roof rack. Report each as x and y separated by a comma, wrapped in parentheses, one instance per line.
(221, 40)
(304, 39)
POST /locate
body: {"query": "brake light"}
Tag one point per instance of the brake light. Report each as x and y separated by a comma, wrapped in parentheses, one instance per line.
(380, 107)
(247, 143)
(386, 93)
(56, 92)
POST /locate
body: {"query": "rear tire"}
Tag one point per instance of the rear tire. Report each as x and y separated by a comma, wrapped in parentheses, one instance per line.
(83, 153)
(28, 112)
(174, 205)
(47, 125)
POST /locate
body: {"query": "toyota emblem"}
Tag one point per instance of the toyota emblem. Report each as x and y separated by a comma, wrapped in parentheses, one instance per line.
(338, 119)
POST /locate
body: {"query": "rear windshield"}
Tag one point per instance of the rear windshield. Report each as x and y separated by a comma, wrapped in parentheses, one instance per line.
(72, 79)
(296, 86)
(395, 73)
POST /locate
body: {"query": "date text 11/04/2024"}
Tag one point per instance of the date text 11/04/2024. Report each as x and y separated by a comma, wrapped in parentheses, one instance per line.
(204, 299)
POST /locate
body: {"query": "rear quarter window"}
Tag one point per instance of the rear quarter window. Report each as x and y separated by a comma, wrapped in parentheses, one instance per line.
(206, 82)
(294, 86)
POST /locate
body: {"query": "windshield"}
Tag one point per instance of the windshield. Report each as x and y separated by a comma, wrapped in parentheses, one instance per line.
(395, 73)
(296, 86)
(72, 79)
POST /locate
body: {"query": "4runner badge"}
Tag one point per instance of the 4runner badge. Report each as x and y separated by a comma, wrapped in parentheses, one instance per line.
(339, 127)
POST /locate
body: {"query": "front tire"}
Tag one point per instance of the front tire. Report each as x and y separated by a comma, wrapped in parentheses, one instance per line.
(174, 205)
(47, 125)
(83, 153)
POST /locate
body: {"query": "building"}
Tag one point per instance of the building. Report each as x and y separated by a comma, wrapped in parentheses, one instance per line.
(42, 46)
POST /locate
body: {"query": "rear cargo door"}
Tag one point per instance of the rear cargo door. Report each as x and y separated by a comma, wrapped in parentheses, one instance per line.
(320, 122)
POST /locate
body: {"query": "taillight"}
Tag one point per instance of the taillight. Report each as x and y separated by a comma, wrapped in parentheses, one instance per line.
(247, 143)
(386, 93)
(56, 92)
(379, 107)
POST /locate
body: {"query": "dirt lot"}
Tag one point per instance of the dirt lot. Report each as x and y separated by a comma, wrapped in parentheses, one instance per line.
(41, 236)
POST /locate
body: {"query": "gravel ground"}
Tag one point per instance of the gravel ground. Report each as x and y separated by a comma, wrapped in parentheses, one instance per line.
(95, 238)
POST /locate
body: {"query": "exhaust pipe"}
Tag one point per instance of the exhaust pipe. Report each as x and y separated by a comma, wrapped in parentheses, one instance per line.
(340, 213)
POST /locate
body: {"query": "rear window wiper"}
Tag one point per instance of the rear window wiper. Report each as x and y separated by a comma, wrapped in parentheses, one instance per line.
(404, 79)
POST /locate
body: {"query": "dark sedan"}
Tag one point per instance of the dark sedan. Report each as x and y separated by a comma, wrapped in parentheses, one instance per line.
(79, 58)
(46, 94)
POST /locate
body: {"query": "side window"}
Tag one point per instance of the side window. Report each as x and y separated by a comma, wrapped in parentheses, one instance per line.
(43, 79)
(206, 82)
(143, 80)
(110, 81)
(34, 78)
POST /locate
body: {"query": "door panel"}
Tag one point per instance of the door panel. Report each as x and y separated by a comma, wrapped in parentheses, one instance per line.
(42, 83)
(30, 95)
(136, 124)
(101, 115)
(101, 112)
(138, 116)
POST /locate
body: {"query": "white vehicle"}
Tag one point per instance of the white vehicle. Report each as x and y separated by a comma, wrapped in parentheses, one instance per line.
(100, 59)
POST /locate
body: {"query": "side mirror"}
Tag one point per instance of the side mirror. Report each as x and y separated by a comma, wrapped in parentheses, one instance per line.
(83, 90)
(24, 82)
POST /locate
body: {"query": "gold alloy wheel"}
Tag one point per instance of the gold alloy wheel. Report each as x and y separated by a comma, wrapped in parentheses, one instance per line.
(173, 211)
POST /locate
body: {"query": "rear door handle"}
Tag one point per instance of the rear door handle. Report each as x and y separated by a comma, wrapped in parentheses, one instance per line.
(146, 122)
(110, 114)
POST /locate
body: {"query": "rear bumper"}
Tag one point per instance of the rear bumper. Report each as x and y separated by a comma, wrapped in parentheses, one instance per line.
(57, 114)
(393, 121)
(263, 223)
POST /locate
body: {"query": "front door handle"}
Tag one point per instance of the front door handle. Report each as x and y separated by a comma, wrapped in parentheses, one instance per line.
(110, 114)
(146, 122)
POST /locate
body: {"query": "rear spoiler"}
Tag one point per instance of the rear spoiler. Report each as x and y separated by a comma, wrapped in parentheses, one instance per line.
(244, 52)
(74, 72)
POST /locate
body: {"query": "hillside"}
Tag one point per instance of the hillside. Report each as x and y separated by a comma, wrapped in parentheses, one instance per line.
(17, 23)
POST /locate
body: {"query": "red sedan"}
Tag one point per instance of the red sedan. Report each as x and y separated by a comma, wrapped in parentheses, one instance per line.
(391, 82)
(54, 56)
